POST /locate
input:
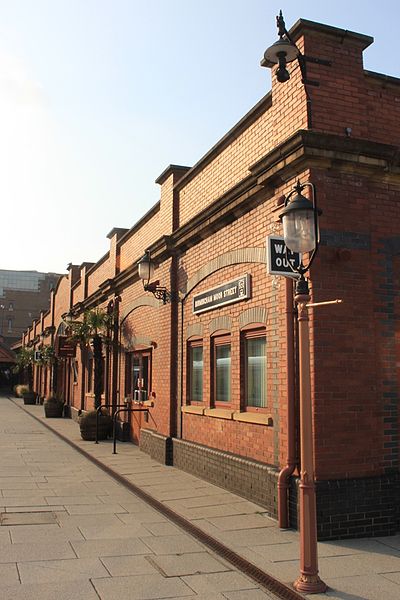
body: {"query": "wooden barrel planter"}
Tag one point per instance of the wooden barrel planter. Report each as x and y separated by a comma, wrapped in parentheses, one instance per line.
(29, 397)
(53, 408)
(87, 426)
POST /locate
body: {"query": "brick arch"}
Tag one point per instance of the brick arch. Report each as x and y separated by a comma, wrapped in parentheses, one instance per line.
(194, 329)
(220, 323)
(141, 301)
(137, 340)
(235, 257)
(257, 314)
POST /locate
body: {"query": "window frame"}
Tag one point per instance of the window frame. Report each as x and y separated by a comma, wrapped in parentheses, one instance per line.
(224, 339)
(193, 343)
(251, 333)
(129, 357)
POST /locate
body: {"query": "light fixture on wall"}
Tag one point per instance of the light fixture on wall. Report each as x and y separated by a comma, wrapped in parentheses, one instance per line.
(285, 51)
(146, 272)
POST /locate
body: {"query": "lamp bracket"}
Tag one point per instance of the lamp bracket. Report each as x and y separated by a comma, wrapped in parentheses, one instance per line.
(158, 291)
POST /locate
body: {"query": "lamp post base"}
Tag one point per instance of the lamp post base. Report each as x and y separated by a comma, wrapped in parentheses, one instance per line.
(310, 584)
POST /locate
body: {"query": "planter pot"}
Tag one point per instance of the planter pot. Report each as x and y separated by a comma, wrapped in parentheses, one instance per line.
(53, 409)
(29, 398)
(88, 428)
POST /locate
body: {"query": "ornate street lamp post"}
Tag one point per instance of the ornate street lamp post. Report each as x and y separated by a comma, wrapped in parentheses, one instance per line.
(300, 232)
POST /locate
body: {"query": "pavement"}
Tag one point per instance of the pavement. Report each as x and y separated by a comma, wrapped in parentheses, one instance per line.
(71, 527)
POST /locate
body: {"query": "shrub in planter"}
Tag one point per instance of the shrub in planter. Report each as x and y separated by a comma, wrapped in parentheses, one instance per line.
(87, 424)
(53, 407)
(29, 397)
(20, 389)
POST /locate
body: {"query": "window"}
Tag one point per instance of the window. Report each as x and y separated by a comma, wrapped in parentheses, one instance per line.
(254, 363)
(11, 306)
(195, 371)
(138, 375)
(222, 369)
(10, 325)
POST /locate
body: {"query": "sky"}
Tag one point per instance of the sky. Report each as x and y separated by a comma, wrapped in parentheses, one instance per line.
(98, 97)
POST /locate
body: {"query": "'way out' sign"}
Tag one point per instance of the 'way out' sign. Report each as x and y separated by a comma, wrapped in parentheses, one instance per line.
(279, 259)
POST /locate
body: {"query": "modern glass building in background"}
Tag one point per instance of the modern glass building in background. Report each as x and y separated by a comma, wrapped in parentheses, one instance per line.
(23, 294)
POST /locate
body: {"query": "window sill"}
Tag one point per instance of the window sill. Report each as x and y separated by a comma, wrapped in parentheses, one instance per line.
(219, 413)
(257, 418)
(193, 409)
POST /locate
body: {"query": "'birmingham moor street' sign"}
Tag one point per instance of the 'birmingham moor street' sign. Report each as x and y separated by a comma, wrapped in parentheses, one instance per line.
(227, 293)
(279, 258)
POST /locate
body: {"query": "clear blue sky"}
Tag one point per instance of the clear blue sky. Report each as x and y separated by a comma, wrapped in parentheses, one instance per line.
(97, 97)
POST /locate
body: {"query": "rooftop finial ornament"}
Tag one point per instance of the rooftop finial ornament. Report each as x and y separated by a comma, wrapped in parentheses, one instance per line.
(285, 51)
(281, 52)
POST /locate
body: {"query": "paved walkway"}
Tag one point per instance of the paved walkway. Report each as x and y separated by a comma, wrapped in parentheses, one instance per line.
(93, 538)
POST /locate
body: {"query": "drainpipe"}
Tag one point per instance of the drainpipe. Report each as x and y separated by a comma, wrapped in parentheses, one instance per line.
(180, 403)
(287, 471)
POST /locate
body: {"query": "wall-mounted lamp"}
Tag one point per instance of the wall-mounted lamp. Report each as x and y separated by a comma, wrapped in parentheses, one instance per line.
(68, 317)
(146, 272)
(285, 51)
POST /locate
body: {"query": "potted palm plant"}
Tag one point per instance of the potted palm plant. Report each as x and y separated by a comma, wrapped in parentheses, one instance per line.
(91, 330)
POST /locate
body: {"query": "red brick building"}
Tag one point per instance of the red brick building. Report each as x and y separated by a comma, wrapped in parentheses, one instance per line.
(221, 380)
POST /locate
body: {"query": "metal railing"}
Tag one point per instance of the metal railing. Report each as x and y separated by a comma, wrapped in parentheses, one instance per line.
(127, 409)
(98, 409)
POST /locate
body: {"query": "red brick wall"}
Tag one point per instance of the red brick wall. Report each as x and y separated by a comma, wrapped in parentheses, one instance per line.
(99, 273)
(250, 440)
(347, 95)
(61, 300)
(132, 248)
(231, 165)
(355, 343)
(154, 324)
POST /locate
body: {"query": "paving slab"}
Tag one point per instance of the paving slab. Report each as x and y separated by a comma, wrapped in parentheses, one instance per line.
(31, 518)
(32, 500)
(128, 565)
(162, 528)
(365, 587)
(142, 516)
(143, 587)
(9, 574)
(38, 550)
(71, 590)
(97, 509)
(240, 522)
(109, 547)
(188, 564)
(247, 595)
(26, 509)
(44, 533)
(172, 544)
(50, 500)
(47, 571)
(218, 582)
(103, 531)
(395, 577)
